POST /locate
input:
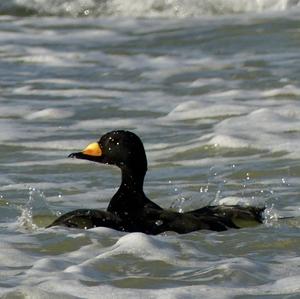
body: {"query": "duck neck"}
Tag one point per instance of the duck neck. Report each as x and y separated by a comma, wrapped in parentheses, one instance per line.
(132, 182)
(130, 194)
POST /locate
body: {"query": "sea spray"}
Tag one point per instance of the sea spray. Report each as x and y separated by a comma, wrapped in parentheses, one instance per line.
(142, 8)
(35, 210)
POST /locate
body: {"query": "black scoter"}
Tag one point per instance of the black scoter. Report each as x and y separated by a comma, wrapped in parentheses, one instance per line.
(130, 210)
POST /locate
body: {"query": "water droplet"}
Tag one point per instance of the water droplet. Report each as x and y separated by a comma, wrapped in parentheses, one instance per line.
(158, 222)
(203, 189)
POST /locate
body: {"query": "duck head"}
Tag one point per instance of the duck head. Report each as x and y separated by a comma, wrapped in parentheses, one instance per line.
(121, 148)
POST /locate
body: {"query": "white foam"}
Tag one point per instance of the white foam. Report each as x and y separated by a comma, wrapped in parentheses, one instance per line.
(286, 90)
(205, 82)
(275, 126)
(13, 256)
(50, 113)
(192, 110)
(71, 287)
(68, 93)
(183, 65)
(137, 244)
(151, 8)
(232, 200)
(48, 275)
(187, 8)
(229, 141)
(48, 57)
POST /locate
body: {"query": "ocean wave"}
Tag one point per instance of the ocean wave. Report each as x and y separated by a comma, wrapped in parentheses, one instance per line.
(141, 8)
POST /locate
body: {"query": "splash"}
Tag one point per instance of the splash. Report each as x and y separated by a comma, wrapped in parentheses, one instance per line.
(271, 215)
(25, 220)
(180, 201)
(249, 192)
(35, 211)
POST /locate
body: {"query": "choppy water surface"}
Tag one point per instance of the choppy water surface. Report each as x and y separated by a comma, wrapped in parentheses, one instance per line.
(215, 98)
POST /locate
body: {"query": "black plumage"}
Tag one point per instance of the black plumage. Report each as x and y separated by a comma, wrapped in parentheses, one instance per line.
(131, 211)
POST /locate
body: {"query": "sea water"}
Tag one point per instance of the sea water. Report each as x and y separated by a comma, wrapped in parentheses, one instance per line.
(211, 87)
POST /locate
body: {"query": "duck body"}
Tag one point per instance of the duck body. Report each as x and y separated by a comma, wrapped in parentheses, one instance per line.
(88, 218)
(131, 211)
